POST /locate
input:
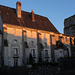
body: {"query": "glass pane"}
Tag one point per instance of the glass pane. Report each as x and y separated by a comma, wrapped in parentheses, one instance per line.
(15, 62)
(33, 52)
(15, 51)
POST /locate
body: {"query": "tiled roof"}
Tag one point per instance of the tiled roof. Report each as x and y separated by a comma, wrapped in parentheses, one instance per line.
(42, 23)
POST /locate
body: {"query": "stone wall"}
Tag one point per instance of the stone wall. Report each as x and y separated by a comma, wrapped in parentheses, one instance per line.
(69, 25)
(33, 40)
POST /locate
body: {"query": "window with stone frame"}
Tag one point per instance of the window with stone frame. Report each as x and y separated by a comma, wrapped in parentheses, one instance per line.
(61, 53)
(32, 44)
(46, 45)
(46, 53)
(33, 52)
(15, 62)
(15, 52)
(15, 41)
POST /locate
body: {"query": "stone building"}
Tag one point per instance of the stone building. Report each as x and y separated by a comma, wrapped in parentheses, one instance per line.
(27, 33)
(69, 26)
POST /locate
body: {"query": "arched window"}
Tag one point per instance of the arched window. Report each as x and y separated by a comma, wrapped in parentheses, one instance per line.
(15, 41)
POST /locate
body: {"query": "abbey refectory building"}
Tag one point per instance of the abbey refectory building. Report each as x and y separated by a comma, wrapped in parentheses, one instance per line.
(26, 34)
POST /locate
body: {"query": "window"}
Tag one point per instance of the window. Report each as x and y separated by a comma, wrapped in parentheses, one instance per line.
(46, 53)
(45, 44)
(32, 43)
(15, 62)
(25, 37)
(61, 54)
(15, 52)
(33, 52)
(40, 37)
(5, 42)
(15, 41)
(33, 60)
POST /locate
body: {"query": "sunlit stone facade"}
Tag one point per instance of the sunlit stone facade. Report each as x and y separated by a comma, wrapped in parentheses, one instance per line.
(29, 36)
(27, 40)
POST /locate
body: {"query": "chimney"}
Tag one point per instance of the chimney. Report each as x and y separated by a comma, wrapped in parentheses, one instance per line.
(33, 19)
(18, 9)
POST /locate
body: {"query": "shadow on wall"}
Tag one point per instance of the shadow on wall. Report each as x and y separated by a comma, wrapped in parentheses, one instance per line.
(22, 47)
(60, 50)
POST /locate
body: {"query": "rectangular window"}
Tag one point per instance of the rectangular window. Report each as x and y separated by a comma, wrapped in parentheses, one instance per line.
(32, 43)
(46, 44)
(33, 52)
(15, 41)
(15, 52)
(61, 54)
(15, 62)
(46, 53)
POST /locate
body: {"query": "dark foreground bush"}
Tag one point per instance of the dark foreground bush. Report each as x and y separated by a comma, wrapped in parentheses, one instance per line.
(51, 63)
